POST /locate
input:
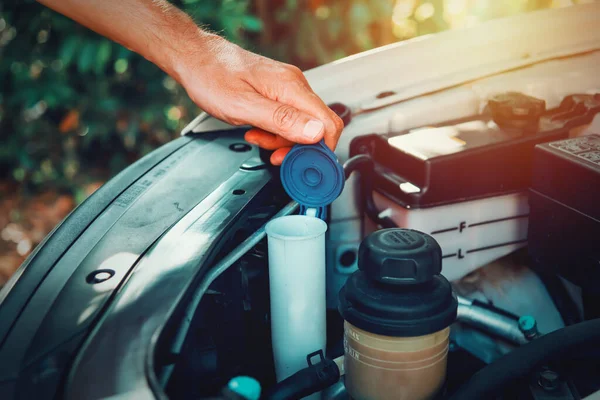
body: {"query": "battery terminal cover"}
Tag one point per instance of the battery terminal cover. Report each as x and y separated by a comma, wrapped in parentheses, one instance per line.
(516, 110)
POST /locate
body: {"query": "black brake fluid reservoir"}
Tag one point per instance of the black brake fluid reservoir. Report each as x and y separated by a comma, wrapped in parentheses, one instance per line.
(397, 310)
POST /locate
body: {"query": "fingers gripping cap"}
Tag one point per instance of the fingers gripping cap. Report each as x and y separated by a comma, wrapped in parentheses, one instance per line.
(312, 176)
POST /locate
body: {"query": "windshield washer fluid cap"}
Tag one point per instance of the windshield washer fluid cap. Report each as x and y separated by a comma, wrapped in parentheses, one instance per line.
(313, 177)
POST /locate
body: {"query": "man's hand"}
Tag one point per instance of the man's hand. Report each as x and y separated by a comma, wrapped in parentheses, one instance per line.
(243, 88)
(230, 83)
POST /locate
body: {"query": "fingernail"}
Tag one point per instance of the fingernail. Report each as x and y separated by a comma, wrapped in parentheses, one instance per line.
(251, 141)
(313, 128)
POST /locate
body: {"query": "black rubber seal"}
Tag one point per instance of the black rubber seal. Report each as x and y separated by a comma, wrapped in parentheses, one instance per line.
(413, 311)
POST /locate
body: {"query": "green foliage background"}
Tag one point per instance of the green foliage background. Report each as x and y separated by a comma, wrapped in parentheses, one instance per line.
(73, 102)
(76, 108)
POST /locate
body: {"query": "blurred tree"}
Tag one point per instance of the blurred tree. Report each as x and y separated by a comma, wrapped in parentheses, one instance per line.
(76, 109)
(72, 99)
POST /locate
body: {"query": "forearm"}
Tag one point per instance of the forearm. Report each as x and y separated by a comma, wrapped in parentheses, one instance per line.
(226, 81)
(155, 29)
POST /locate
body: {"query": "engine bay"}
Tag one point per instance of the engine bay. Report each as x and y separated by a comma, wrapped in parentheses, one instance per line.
(505, 176)
(456, 254)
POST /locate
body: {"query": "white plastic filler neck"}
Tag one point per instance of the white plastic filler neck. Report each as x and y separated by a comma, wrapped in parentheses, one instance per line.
(297, 286)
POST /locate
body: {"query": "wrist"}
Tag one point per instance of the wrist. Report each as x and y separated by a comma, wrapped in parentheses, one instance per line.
(189, 51)
(178, 44)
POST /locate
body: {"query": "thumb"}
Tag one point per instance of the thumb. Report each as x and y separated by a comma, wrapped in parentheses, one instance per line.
(284, 120)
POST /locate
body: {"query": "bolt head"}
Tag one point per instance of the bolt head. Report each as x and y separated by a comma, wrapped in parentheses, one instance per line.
(549, 380)
(528, 325)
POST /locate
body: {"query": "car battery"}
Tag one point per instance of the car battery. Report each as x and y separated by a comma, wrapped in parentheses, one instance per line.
(466, 182)
(564, 228)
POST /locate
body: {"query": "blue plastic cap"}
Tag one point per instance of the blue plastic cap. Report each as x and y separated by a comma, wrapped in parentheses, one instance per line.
(312, 176)
(528, 325)
(246, 387)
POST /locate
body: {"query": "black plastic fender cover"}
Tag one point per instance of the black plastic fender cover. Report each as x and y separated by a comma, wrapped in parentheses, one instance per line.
(64, 287)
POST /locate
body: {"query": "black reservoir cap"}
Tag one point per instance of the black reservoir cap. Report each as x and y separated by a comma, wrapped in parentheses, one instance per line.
(398, 290)
(400, 257)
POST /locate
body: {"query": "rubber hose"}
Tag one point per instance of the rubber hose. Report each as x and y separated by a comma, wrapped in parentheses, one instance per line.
(305, 382)
(363, 164)
(520, 362)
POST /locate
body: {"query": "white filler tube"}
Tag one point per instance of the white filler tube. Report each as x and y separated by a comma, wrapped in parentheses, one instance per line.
(297, 285)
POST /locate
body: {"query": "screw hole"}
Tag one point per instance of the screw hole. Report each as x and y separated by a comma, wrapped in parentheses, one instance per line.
(239, 192)
(240, 147)
(99, 276)
(348, 258)
(383, 95)
(342, 111)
